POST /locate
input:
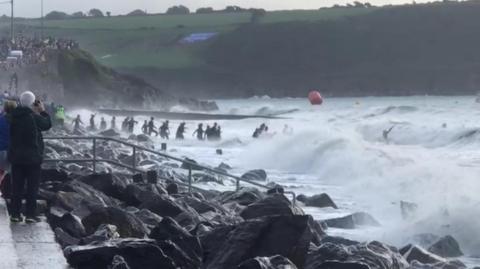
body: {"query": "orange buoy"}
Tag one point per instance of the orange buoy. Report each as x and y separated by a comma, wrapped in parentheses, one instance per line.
(315, 98)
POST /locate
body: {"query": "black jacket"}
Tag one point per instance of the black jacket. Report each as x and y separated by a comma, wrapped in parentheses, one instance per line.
(26, 144)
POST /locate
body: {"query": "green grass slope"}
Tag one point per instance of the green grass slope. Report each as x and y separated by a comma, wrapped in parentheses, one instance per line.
(152, 41)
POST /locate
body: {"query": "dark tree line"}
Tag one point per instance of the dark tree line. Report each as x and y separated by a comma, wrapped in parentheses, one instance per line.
(59, 15)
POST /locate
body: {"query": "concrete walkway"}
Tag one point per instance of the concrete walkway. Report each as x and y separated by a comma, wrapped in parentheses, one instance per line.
(28, 246)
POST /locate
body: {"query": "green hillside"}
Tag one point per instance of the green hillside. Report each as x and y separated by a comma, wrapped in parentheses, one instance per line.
(152, 41)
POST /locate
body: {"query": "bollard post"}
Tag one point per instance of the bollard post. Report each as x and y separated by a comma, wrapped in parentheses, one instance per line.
(164, 146)
(190, 179)
(94, 155)
(134, 157)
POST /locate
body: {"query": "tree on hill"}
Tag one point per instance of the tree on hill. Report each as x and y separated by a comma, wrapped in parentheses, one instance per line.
(233, 9)
(178, 10)
(78, 15)
(204, 10)
(257, 14)
(56, 15)
(95, 12)
(137, 12)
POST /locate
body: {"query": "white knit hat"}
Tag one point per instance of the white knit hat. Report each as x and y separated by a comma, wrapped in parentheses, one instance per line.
(27, 99)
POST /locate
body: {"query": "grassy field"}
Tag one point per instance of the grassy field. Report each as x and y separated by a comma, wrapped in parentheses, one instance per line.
(152, 41)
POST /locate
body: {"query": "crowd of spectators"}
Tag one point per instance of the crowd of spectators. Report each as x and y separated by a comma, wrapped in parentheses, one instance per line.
(33, 50)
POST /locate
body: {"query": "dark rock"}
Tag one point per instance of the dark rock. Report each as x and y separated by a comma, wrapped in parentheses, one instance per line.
(201, 206)
(441, 265)
(204, 178)
(138, 253)
(275, 262)
(162, 205)
(446, 247)
(189, 218)
(245, 196)
(89, 193)
(169, 229)
(257, 175)
(68, 200)
(136, 194)
(276, 189)
(190, 164)
(172, 188)
(148, 217)
(106, 183)
(152, 177)
(224, 166)
(128, 224)
(417, 253)
(302, 198)
(276, 204)
(64, 239)
(352, 221)
(137, 178)
(119, 262)
(143, 138)
(321, 201)
(54, 175)
(229, 246)
(104, 232)
(109, 133)
(182, 256)
(363, 256)
(338, 241)
(72, 225)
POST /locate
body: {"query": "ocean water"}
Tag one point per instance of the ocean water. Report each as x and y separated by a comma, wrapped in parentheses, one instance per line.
(432, 159)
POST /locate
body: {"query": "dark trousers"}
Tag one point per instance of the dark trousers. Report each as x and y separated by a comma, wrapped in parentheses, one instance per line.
(22, 175)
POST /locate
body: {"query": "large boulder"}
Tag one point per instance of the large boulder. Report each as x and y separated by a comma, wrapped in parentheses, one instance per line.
(352, 221)
(275, 204)
(360, 256)
(162, 205)
(138, 253)
(64, 239)
(148, 217)
(104, 232)
(72, 225)
(106, 183)
(169, 229)
(89, 194)
(318, 200)
(54, 175)
(255, 175)
(229, 246)
(245, 196)
(109, 133)
(275, 262)
(417, 253)
(128, 224)
(446, 247)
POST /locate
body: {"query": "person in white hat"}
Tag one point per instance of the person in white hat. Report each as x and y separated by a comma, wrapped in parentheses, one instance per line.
(25, 153)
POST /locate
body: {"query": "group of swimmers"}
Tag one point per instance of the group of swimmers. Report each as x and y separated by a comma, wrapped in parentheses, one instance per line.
(210, 133)
(149, 128)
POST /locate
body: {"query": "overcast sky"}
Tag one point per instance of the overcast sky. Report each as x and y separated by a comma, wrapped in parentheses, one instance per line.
(31, 8)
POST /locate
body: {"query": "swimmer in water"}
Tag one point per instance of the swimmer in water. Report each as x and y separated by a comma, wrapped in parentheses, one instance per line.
(386, 133)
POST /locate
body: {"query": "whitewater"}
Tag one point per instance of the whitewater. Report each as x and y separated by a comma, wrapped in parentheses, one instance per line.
(432, 159)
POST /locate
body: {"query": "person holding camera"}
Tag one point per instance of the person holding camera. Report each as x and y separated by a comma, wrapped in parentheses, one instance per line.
(25, 154)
